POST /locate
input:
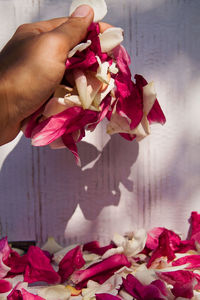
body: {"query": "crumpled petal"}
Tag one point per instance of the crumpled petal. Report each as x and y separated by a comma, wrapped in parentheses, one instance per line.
(164, 248)
(39, 267)
(133, 244)
(99, 7)
(80, 47)
(153, 291)
(72, 261)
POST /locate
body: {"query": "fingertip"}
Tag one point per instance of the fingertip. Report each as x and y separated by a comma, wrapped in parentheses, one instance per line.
(83, 11)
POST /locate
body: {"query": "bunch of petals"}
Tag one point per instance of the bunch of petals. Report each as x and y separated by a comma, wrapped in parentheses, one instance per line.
(97, 84)
(157, 265)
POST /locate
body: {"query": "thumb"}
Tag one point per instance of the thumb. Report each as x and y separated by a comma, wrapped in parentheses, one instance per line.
(75, 28)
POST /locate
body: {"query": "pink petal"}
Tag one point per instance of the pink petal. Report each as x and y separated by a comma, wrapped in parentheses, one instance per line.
(39, 267)
(153, 291)
(83, 60)
(156, 114)
(69, 142)
(4, 269)
(31, 122)
(17, 263)
(165, 248)
(4, 254)
(22, 294)
(112, 264)
(194, 232)
(183, 282)
(72, 261)
(4, 248)
(192, 260)
(28, 296)
(106, 297)
(94, 247)
(5, 286)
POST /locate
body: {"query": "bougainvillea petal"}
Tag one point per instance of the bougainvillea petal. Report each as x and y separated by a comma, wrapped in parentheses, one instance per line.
(72, 261)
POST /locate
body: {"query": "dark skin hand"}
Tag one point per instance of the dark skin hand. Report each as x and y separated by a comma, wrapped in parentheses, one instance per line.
(32, 64)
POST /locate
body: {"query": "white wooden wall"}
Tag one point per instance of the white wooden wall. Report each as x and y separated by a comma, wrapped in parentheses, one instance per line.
(121, 185)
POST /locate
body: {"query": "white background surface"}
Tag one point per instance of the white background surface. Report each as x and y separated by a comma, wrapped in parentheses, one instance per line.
(121, 185)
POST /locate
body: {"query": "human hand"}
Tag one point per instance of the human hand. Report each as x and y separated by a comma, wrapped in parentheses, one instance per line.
(32, 64)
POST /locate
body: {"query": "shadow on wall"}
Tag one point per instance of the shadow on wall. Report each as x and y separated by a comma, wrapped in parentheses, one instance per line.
(50, 185)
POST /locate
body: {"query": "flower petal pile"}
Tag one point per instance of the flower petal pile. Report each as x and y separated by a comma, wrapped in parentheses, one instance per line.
(97, 84)
(154, 265)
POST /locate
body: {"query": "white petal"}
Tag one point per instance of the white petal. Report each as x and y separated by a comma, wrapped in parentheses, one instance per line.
(80, 47)
(51, 246)
(81, 85)
(70, 100)
(113, 251)
(149, 97)
(111, 38)
(113, 69)
(100, 96)
(93, 85)
(59, 292)
(99, 7)
(102, 71)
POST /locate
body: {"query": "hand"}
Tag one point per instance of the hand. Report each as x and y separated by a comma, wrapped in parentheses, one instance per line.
(32, 64)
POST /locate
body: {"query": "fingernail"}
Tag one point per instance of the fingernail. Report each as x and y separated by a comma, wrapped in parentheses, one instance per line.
(81, 11)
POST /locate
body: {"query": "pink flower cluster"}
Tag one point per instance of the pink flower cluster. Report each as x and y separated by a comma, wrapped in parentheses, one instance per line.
(97, 84)
(156, 265)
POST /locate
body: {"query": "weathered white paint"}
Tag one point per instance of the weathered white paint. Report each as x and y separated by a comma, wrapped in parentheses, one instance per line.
(121, 185)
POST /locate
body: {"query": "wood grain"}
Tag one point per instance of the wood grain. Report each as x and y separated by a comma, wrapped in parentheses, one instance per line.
(121, 186)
